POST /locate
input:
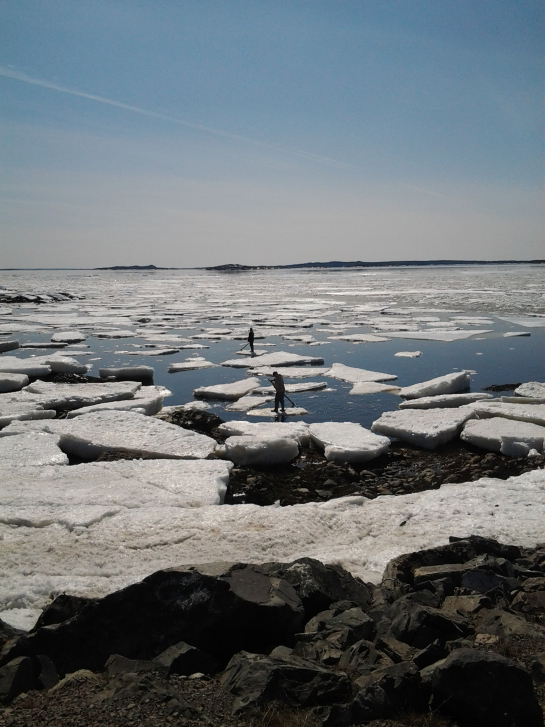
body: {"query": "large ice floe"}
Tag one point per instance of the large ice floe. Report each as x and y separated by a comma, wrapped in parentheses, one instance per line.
(96, 551)
(267, 430)
(514, 438)
(33, 448)
(148, 400)
(28, 366)
(427, 428)
(12, 382)
(290, 372)
(443, 401)
(277, 358)
(532, 413)
(229, 392)
(449, 384)
(73, 396)
(91, 435)
(373, 387)
(440, 335)
(354, 375)
(347, 441)
(531, 390)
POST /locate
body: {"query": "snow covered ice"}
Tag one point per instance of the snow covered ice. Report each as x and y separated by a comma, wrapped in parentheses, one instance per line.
(107, 431)
(228, 391)
(33, 448)
(427, 428)
(347, 441)
(449, 384)
(354, 375)
(277, 358)
(489, 434)
(127, 373)
(442, 401)
(74, 396)
(532, 390)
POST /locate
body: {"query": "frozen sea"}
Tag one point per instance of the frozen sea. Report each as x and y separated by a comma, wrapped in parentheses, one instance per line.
(455, 316)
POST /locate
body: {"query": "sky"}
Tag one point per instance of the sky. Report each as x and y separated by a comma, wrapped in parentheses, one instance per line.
(187, 133)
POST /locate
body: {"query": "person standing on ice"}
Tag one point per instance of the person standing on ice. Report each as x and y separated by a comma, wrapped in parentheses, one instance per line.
(278, 382)
(251, 340)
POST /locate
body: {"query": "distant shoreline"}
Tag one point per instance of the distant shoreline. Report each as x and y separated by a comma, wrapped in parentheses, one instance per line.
(235, 267)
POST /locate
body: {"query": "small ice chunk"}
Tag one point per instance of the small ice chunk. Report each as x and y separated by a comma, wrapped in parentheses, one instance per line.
(427, 428)
(295, 430)
(532, 390)
(12, 382)
(190, 365)
(68, 337)
(28, 366)
(65, 365)
(8, 345)
(347, 441)
(111, 431)
(513, 447)
(116, 333)
(252, 451)
(291, 372)
(294, 388)
(359, 338)
(228, 391)
(154, 352)
(533, 413)
(373, 387)
(490, 433)
(443, 401)
(449, 384)
(353, 375)
(443, 335)
(277, 358)
(408, 354)
(516, 334)
(128, 373)
(34, 448)
(74, 396)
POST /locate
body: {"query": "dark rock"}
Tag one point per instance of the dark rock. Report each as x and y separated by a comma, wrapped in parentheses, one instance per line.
(419, 626)
(318, 585)
(360, 625)
(383, 694)
(45, 674)
(16, 677)
(281, 652)
(430, 655)
(485, 690)
(239, 607)
(117, 664)
(363, 657)
(185, 659)
(484, 581)
(396, 650)
(60, 609)
(502, 623)
(465, 604)
(7, 633)
(255, 678)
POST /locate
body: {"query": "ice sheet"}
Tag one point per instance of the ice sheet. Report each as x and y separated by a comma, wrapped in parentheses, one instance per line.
(227, 391)
(532, 389)
(74, 396)
(104, 431)
(68, 337)
(190, 366)
(245, 403)
(361, 535)
(353, 375)
(427, 428)
(14, 365)
(277, 358)
(12, 382)
(295, 430)
(489, 433)
(149, 400)
(373, 387)
(13, 411)
(294, 388)
(446, 336)
(347, 441)
(34, 448)
(533, 413)
(291, 372)
(10, 345)
(449, 384)
(443, 401)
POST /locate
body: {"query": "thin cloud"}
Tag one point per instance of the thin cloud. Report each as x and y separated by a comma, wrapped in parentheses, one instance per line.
(19, 76)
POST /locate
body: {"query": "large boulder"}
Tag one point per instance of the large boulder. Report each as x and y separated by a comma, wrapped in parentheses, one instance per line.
(221, 611)
(419, 625)
(485, 690)
(255, 678)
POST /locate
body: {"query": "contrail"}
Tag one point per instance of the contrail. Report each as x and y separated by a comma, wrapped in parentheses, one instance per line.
(19, 76)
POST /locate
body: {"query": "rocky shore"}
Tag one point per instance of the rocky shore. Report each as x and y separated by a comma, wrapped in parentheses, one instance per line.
(453, 635)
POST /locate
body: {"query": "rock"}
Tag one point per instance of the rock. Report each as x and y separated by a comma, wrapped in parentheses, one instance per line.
(239, 607)
(485, 690)
(360, 625)
(363, 657)
(430, 655)
(61, 609)
(465, 604)
(185, 659)
(483, 581)
(117, 664)
(419, 626)
(45, 673)
(7, 633)
(503, 624)
(396, 650)
(255, 678)
(319, 585)
(16, 677)
(382, 694)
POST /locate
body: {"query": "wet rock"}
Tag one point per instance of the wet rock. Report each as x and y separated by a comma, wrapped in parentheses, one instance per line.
(485, 690)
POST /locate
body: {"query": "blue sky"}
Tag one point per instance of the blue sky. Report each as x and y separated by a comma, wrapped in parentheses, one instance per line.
(189, 132)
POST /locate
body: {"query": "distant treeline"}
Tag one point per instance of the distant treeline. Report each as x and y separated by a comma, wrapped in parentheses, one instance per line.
(231, 267)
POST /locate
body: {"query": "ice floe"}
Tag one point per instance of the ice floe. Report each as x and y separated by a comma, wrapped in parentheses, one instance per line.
(498, 435)
(127, 373)
(91, 435)
(359, 338)
(245, 403)
(347, 441)
(251, 451)
(290, 372)
(295, 430)
(373, 387)
(449, 384)
(447, 335)
(33, 448)
(74, 396)
(190, 366)
(8, 345)
(516, 334)
(294, 388)
(277, 358)
(28, 366)
(148, 401)
(68, 337)
(533, 413)
(443, 401)
(290, 411)
(12, 382)
(531, 390)
(227, 391)
(353, 375)
(427, 428)
(408, 354)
